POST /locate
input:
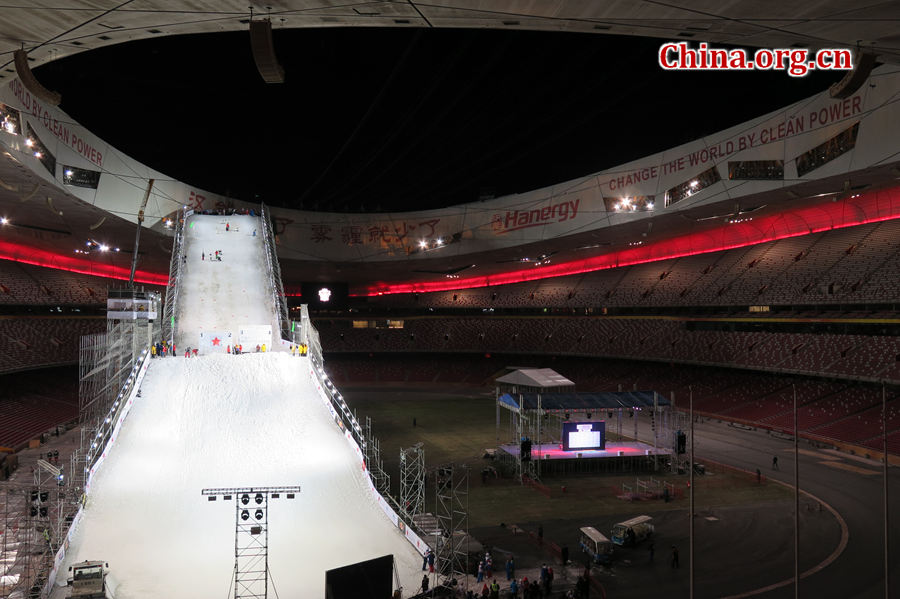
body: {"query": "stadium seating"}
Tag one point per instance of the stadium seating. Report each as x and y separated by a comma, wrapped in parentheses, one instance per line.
(852, 265)
(33, 342)
(36, 401)
(24, 284)
(859, 356)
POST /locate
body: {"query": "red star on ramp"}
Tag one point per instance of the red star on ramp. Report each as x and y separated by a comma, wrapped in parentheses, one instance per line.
(216, 341)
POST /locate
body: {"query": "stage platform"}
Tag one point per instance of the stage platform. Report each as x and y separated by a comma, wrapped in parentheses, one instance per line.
(617, 457)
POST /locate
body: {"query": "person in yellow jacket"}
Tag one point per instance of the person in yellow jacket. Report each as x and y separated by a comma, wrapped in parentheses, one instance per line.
(152, 350)
(263, 348)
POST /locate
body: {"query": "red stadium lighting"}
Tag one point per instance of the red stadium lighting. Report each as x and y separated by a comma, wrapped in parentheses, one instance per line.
(869, 207)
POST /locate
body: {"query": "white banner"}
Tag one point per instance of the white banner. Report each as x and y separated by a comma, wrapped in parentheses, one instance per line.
(214, 342)
(251, 335)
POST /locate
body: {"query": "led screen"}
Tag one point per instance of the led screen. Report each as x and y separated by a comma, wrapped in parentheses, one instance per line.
(584, 435)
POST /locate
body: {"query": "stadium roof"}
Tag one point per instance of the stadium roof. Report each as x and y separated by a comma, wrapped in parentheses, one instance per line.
(50, 219)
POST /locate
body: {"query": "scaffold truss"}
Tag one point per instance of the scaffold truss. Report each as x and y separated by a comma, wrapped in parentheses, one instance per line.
(412, 480)
(452, 512)
(251, 535)
(374, 463)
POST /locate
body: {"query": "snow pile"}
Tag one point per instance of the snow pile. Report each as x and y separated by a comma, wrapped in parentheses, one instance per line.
(223, 421)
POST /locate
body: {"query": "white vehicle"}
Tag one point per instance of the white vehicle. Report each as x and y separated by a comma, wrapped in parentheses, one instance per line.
(632, 532)
(88, 580)
(595, 544)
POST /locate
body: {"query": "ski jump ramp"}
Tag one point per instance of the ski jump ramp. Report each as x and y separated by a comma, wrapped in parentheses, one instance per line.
(222, 420)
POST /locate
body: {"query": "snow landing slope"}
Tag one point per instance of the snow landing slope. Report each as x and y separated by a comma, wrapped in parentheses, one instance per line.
(227, 421)
(222, 295)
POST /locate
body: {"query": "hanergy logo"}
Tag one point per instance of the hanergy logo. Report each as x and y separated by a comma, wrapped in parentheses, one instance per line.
(522, 219)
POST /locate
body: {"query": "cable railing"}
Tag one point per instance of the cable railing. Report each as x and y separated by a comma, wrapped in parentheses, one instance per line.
(273, 270)
(175, 264)
(356, 434)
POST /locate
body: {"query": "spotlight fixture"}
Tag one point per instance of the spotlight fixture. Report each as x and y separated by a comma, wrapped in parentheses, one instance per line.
(245, 515)
(258, 514)
(245, 499)
(258, 498)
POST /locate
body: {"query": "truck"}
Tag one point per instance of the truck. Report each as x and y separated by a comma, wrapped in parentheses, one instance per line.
(88, 580)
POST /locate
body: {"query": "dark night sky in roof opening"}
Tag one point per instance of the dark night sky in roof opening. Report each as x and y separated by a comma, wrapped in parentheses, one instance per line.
(401, 119)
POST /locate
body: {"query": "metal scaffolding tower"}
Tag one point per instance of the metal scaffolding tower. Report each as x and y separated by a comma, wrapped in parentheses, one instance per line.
(452, 512)
(380, 478)
(175, 264)
(109, 363)
(251, 535)
(33, 518)
(412, 480)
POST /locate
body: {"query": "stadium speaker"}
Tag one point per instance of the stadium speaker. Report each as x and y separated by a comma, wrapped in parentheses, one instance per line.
(28, 79)
(43, 512)
(264, 52)
(33, 511)
(854, 79)
(44, 496)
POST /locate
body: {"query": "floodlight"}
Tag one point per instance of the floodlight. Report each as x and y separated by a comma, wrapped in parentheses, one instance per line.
(258, 514)
(245, 515)
(245, 499)
(258, 498)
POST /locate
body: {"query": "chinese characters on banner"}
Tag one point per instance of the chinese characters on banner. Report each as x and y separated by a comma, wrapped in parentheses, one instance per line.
(382, 234)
